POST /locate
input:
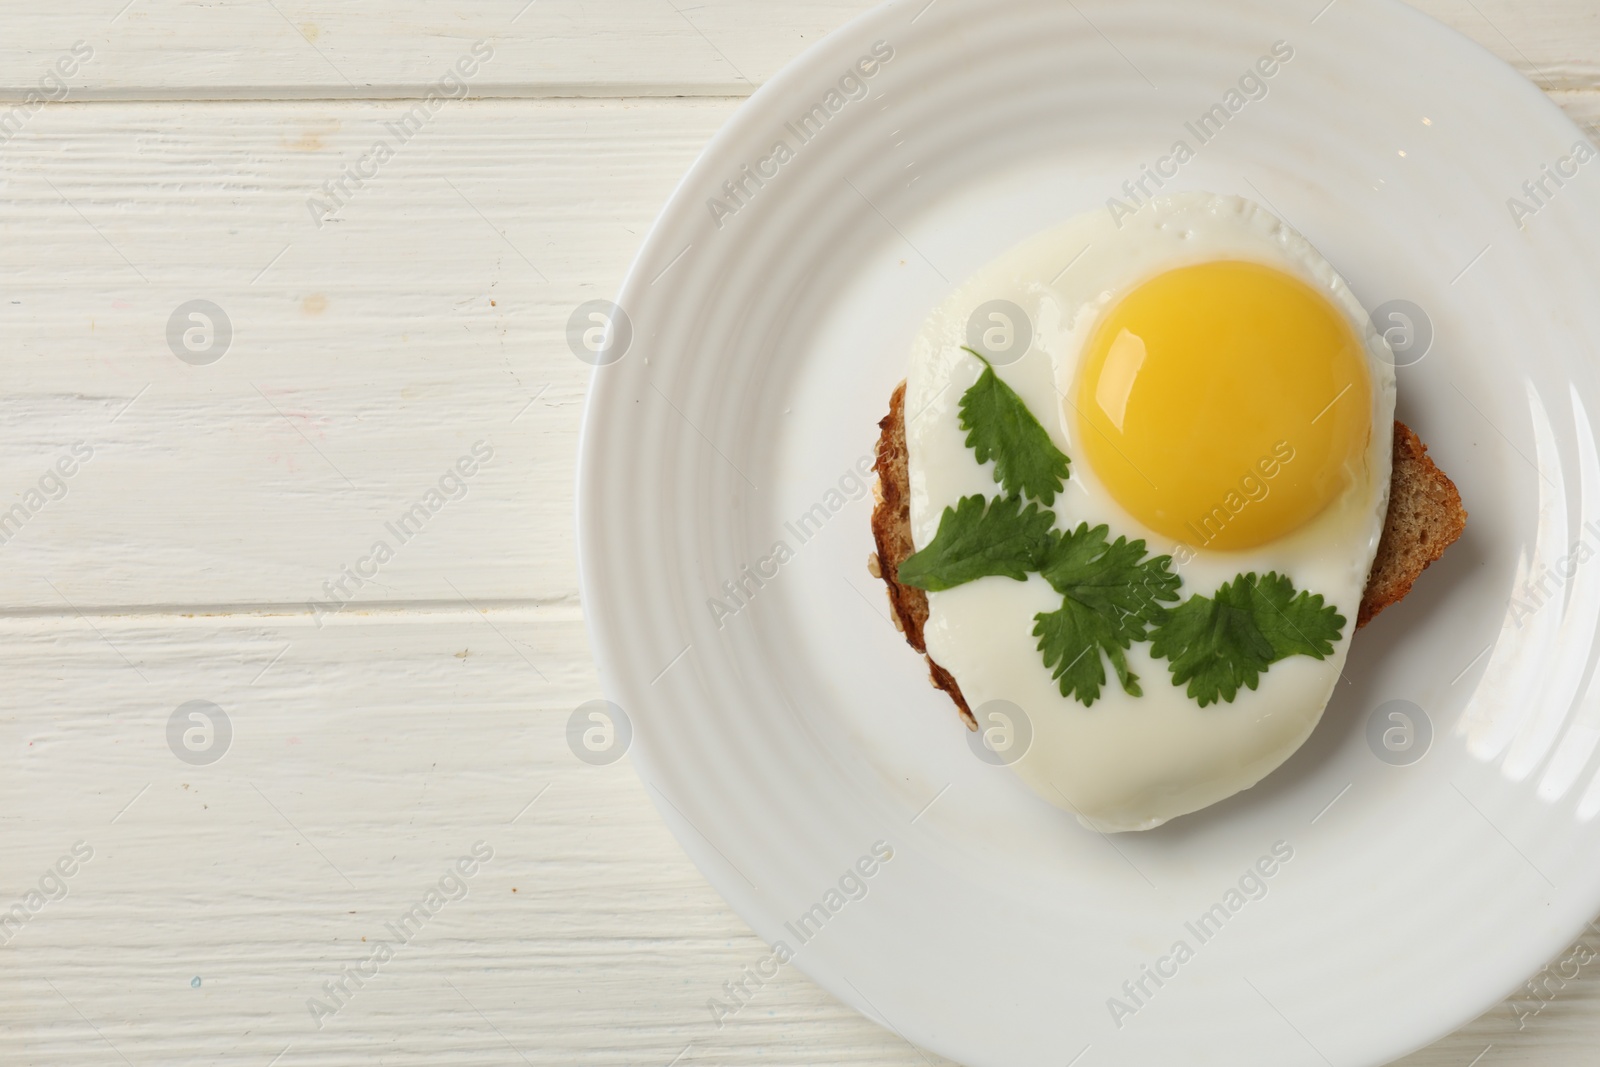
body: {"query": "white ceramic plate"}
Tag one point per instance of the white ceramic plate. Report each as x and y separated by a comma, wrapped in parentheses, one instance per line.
(783, 740)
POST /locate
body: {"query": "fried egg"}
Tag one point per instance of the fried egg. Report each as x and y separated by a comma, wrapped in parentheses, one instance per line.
(1221, 394)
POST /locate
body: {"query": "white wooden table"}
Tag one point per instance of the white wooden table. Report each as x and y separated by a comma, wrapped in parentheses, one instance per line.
(379, 331)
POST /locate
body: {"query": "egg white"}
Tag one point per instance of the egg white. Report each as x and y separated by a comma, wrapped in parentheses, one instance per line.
(1130, 763)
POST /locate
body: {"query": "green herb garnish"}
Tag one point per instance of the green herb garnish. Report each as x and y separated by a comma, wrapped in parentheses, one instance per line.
(1218, 643)
(1110, 593)
(979, 538)
(1113, 593)
(1000, 427)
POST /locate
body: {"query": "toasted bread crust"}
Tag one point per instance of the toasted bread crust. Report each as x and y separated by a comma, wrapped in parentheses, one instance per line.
(1425, 517)
(891, 529)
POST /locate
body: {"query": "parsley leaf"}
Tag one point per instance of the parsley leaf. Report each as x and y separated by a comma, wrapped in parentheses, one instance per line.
(1296, 625)
(1113, 579)
(1110, 592)
(1072, 640)
(1000, 427)
(1217, 644)
(1214, 645)
(979, 538)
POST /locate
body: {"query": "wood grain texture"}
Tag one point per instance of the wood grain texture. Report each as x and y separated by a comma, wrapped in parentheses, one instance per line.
(295, 49)
(363, 763)
(370, 353)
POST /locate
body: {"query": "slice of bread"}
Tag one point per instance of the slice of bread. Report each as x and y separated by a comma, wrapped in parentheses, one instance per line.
(1425, 518)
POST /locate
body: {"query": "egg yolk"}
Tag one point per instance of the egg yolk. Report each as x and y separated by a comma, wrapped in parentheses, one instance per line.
(1224, 404)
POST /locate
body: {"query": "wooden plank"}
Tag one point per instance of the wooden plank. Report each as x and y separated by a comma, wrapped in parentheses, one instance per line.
(219, 898)
(298, 49)
(369, 355)
(362, 762)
